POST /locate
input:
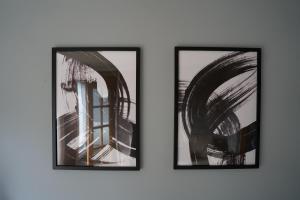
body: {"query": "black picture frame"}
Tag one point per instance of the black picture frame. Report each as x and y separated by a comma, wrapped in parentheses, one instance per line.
(118, 92)
(182, 96)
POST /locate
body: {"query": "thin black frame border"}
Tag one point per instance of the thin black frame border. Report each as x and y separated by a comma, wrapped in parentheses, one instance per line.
(54, 124)
(258, 106)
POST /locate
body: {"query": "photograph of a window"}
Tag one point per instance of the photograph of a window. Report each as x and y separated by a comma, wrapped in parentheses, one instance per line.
(96, 108)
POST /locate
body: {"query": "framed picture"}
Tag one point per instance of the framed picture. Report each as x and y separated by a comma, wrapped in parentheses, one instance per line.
(217, 107)
(96, 108)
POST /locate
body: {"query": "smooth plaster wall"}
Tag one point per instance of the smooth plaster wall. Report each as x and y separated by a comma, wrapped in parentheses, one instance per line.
(28, 30)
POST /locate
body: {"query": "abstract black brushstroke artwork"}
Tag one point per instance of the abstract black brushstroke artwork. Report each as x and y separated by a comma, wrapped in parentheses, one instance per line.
(217, 106)
(96, 108)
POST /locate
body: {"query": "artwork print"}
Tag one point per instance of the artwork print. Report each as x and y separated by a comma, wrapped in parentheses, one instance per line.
(217, 99)
(96, 103)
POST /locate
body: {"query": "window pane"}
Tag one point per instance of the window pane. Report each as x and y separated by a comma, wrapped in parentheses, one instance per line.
(105, 135)
(105, 115)
(96, 138)
(105, 101)
(96, 117)
(96, 98)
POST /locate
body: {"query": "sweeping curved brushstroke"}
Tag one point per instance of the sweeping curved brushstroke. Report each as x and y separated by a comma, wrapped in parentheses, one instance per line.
(208, 117)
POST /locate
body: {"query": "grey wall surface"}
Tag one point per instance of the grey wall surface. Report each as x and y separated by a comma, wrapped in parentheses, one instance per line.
(28, 30)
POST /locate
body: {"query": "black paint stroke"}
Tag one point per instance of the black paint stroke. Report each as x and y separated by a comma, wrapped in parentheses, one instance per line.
(209, 119)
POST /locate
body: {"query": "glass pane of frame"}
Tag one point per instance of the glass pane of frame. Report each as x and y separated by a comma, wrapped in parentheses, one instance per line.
(217, 107)
(88, 113)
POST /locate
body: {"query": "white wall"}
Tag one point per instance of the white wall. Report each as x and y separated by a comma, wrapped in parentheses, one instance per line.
(28, 30)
